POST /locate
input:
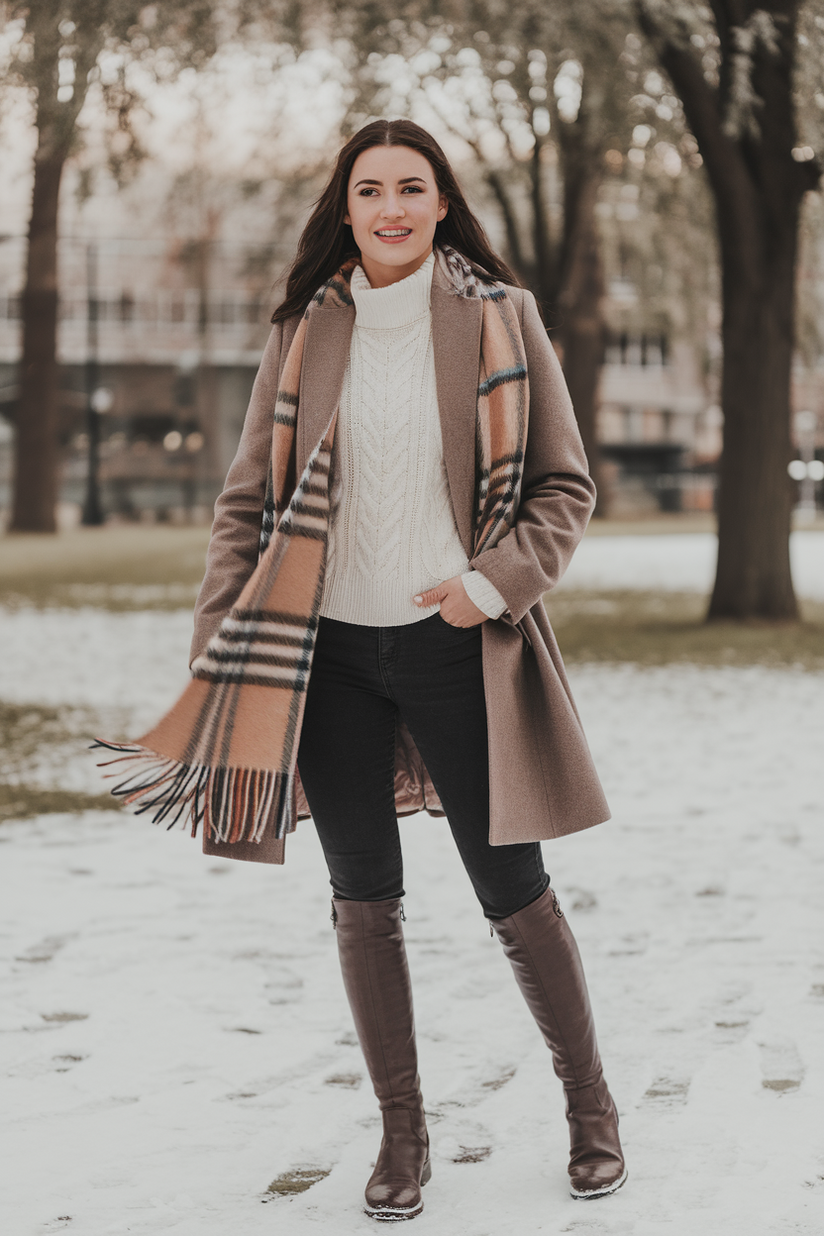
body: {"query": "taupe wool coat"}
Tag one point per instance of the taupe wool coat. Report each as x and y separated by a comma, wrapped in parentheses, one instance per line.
(542, 780)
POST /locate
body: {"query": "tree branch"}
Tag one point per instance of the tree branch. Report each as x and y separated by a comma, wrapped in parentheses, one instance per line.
(497, 183)
(725, 163)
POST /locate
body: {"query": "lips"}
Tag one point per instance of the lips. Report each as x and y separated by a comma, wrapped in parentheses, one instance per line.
(393, 233)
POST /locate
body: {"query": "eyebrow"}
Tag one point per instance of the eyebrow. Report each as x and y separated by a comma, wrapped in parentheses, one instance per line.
(406, 181)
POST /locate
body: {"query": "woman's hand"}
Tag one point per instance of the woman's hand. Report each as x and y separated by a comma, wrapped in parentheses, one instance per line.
(456, 607)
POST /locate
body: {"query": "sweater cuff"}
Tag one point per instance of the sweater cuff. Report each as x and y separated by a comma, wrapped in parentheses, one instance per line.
(483, 594)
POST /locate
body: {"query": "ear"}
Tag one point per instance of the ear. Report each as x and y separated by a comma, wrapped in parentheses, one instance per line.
(442, 209)
(347, 220)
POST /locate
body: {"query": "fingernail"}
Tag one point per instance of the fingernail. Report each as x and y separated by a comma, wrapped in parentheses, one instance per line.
(417, 600)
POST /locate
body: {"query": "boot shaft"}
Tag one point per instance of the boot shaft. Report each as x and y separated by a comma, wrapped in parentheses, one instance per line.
(541, 949)
(376, 978)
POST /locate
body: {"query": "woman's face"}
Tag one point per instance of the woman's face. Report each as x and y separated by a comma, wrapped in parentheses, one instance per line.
(392, 206)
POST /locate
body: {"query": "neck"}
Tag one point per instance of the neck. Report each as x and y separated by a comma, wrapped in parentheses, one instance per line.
(381, 276)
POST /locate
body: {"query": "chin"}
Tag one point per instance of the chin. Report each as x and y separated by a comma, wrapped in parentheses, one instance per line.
(396, 255)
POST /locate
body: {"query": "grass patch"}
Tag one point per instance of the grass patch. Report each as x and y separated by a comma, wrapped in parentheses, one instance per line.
(661, 628)
(37, 741)
(663, 523)
(30, 732)
(118, 567)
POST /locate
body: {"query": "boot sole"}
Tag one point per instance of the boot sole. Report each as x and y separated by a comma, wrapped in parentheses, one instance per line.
(396, 1214)
(589, 1194)
(393, 1214)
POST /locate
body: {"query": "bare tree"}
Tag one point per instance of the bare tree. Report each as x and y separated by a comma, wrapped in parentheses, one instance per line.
(552, 83)
(57, 60)
(546, 98)
(735, 68)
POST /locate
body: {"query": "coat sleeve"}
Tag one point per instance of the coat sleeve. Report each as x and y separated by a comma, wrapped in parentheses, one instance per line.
(557, 495)
(233, 546)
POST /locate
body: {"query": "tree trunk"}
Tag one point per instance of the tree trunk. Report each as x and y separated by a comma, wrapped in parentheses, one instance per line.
(36, 448)
(496, 180)
(758, 188)
(755, 500)
(35, 488)
(545, 268)
(583, 352)
(581, 300)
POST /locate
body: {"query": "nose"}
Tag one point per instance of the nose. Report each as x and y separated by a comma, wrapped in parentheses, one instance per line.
(392, 207)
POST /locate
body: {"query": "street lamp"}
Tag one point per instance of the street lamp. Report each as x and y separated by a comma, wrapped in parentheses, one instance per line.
(99, 398)
(102, 400)
(807, 470)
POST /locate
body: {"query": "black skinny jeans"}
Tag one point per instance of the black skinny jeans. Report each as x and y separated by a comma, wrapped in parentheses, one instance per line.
(430, 673)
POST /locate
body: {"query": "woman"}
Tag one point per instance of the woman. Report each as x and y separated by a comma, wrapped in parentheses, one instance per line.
(421, 488)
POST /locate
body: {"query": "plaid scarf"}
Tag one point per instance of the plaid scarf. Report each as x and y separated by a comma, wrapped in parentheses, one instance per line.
(226, 752)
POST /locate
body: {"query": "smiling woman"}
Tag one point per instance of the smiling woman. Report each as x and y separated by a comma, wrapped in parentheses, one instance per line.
(393, 208)
(370, 636)
(328, 240)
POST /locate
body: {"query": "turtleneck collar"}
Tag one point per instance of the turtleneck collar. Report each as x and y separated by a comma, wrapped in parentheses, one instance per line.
(397, 305)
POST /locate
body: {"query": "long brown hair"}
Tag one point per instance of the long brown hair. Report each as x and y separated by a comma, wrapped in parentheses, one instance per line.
(327, 242)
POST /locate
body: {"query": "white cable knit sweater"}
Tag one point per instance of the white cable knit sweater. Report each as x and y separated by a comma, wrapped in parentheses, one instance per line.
(393, 530)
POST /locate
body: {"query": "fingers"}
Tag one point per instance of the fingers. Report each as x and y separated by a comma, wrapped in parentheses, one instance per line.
(432, 597)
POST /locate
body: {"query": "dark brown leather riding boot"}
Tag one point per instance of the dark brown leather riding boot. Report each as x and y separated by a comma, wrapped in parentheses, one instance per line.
(542, 949)
(376, 978)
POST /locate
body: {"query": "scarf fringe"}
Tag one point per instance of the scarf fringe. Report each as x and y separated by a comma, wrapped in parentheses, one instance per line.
(233, 804)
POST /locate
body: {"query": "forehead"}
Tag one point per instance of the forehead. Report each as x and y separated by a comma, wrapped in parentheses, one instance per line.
(390, 164)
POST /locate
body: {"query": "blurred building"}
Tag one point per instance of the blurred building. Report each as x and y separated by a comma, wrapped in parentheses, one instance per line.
(180, 330)
(658, 425)
(181, 326)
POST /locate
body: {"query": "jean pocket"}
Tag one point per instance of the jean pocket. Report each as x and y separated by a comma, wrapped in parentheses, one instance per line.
(464, 631)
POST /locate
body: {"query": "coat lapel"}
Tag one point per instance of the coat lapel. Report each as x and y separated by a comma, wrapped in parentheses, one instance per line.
(456, 332)
(326, 352)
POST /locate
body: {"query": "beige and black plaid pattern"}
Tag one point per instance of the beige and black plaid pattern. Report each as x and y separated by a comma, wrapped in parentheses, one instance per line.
(226, 752)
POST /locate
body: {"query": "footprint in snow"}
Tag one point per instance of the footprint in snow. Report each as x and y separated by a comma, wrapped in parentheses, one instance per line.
(350, 1081)
(65, 1063)
(582, 900)
(781, 1066)
(298, 1180)
(44, 951)
(457, 1149)
(472, 1154)
(496, 1083)
(732, 1031)
(439, 1110)
(667, 1092)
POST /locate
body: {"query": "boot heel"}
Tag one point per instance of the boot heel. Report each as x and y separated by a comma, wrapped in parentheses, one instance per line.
(426, 1174)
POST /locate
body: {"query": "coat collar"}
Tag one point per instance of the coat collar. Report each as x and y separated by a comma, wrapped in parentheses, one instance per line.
(456, 332)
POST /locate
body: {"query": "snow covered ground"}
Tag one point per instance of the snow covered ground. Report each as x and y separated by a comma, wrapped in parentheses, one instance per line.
(174, 1035)
(679, 563)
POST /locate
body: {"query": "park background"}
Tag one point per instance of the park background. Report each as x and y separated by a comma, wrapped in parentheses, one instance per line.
(175, 1047)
